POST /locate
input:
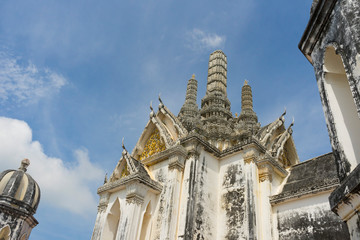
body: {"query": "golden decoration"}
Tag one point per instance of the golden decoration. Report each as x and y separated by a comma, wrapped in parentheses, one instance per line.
(125, 171)
(153, 145)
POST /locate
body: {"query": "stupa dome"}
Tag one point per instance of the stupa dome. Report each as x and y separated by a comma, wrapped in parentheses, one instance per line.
(19, 190)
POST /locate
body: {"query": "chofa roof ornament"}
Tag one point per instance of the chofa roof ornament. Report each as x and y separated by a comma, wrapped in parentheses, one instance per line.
(24, 164)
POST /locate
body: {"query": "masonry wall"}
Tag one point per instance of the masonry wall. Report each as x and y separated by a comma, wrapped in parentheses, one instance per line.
(343, 33)
(205, 211)
(309, 217)
(19, 227)
(232, 199)
(163, 210)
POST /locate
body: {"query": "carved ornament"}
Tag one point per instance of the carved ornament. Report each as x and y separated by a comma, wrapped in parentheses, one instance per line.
(176, 162)
(265, 176)
(125, 171)
(153, 145)
(249, 157)
(265, 172)
(134, 199)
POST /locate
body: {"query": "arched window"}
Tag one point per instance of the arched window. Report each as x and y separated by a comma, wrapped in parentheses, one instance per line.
(342, 105)
(146, 224)
(112, 222)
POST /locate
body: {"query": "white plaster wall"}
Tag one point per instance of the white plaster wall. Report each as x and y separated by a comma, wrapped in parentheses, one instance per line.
(345, 116)
(309, 205)
(121, 195)
(184, 196)
(263, 211)
(131, 215)
(208, 194)
(150, 200)
(353, 225)
(161, 213)
(222, 219)
(347, 122)
(277, 184)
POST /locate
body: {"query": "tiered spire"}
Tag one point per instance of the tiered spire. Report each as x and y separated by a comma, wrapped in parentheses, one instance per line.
(189, 112)
(248, 116)
(215, 106)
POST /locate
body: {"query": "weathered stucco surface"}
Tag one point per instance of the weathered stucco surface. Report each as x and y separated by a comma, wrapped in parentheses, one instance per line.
(308, 218)
(233, 200)
(342, 32)
(209, 175)
(331, 42)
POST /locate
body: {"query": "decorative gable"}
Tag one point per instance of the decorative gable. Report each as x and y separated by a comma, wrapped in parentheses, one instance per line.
(124, 171)
(162, 132)
(153, 145)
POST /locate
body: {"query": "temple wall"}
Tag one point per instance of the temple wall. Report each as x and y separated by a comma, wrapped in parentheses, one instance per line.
(163, 211)
(232, 199)
(343, 34)
(19, 226)
(205, 211)
(308, 217)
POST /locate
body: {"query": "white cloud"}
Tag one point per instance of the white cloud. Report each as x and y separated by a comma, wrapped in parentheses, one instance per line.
(26, 82)
(199, 40)
(62, 185)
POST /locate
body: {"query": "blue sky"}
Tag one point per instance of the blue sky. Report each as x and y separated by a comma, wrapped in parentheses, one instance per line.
(78, 76)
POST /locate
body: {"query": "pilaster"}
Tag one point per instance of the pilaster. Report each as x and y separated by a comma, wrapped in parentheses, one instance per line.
(170, 222)
(135, 193)
(345, 202)
(265, 174)
(251, 208)
(100, 217)
(188, 193)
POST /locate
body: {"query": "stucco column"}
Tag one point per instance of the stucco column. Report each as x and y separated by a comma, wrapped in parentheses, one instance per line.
(100, 217)
(169, 224)
(265, 178)
(129, 224)
(345, 202)
(188, 195)
(250, 198)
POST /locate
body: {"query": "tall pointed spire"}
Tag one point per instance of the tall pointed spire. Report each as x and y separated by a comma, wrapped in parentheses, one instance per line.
(247, 112)
(215, 106)
(189, 112)
(217, 73)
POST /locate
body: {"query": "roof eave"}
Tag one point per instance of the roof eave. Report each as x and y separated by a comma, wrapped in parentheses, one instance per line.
(315, 27)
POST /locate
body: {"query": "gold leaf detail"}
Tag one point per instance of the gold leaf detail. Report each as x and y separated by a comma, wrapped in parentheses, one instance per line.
(153, 145)
(125, 171)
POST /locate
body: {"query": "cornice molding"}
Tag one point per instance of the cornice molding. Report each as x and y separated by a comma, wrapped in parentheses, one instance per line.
(123, 182)
(326, 185)
(161, 156)
(315, 27)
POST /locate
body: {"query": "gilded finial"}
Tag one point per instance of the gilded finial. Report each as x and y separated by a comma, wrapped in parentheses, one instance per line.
(292, 124)
(246, 82)
(122, 143)
(24, 164)
(161, 104)
(193, 76)
(152, 114)
(105, 179)
(236, 114)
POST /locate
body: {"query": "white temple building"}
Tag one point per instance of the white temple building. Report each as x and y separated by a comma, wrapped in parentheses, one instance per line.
(206, 174)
